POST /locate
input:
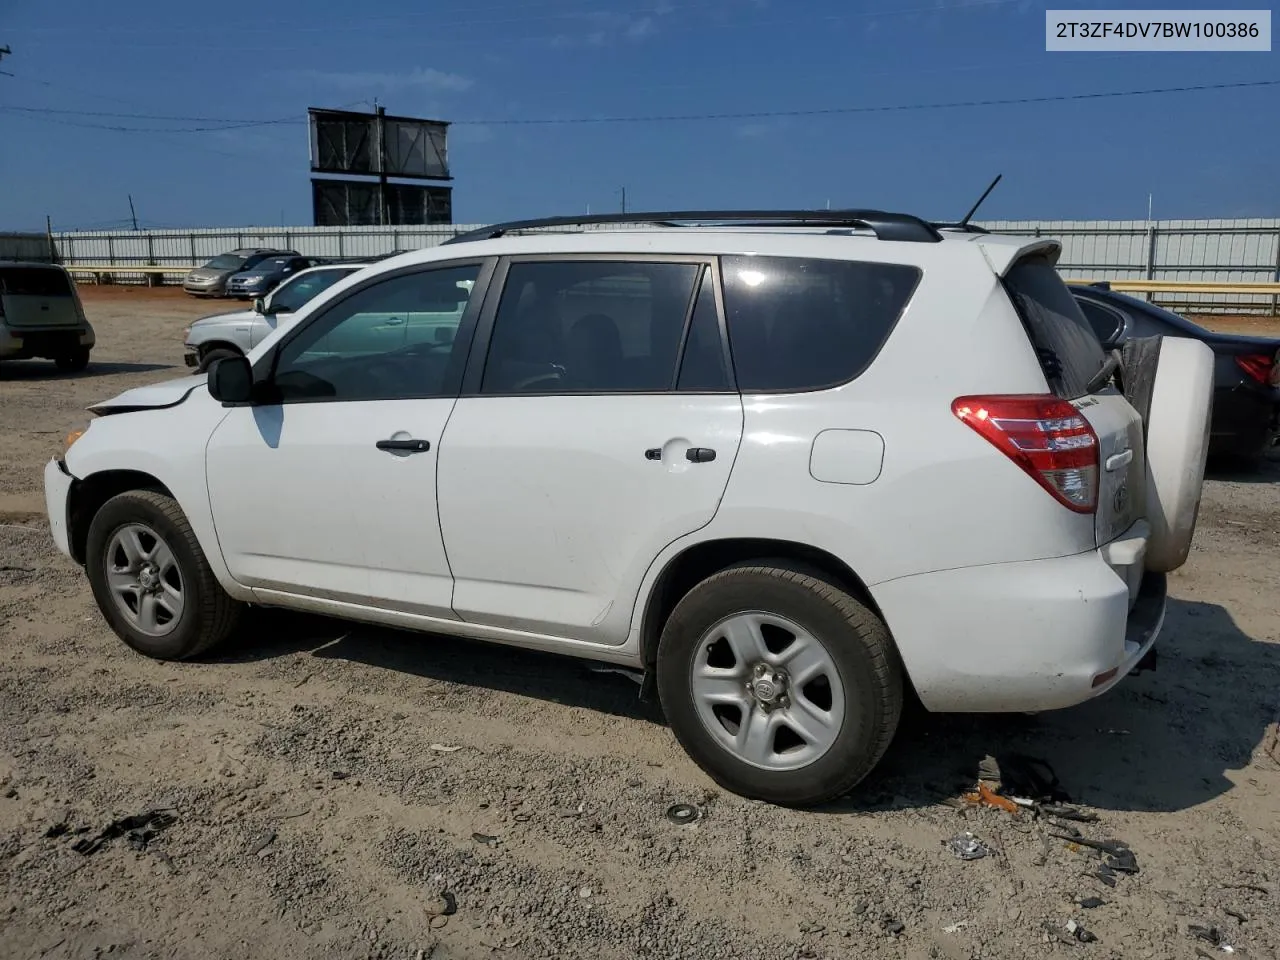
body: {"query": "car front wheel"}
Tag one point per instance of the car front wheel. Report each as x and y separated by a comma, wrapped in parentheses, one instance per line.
(151, 579)
(779, 684)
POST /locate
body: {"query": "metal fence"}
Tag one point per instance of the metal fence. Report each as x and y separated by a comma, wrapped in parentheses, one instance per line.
(1190, 250)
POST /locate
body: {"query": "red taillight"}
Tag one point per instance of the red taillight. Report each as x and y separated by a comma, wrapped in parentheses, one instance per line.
(1044, 435)
(1260, 366)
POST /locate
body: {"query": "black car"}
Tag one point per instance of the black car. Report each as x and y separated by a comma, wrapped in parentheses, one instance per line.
(1246, 396)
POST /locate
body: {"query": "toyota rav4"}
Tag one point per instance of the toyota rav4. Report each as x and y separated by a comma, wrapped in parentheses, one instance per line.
(787, 466)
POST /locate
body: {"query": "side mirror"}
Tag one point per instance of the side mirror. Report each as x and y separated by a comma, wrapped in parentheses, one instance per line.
(260, 306)
(231, 380)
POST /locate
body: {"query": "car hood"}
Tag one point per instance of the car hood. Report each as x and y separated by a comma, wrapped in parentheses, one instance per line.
(170, 393)
(222, 319)
(252, 274)
(205, 273)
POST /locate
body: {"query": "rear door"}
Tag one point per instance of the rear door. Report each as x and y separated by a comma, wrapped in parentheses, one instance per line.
(1071, 356)
(600, 426)
(35, 296)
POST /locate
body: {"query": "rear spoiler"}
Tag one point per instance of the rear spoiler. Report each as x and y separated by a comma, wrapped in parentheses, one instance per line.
(1002, 254)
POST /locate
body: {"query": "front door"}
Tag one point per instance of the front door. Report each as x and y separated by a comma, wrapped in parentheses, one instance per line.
(601, 426)
(328, 490)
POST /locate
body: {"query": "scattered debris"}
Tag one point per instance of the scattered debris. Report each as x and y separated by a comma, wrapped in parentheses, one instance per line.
(1256, 887)
(955, 927)
(682, 813)
(1080, 933)
(263, 840)
(444, 905)
(439, 921)
(340, 775)
(985, 796)
(1235, 914)
(521, 818)
(1116, 855)
(10, 794)
(1092, 903)
(1023, 776)
(486, 839)
(892, 925)
(585, 893)
(139, 830)
(1067, 812)
(1208, 934)
(965, 846)
(305, 678)
(57, 830)
(441, 748)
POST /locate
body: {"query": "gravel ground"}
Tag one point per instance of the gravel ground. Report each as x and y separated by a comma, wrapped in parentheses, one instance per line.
(346, 792)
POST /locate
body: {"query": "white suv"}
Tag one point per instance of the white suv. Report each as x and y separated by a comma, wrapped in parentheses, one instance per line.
(789, 465)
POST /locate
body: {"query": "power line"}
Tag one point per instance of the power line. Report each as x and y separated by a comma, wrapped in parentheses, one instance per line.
(233, 124)
(883, 108)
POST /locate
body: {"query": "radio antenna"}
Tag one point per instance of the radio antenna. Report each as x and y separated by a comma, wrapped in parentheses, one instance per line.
(985, 193)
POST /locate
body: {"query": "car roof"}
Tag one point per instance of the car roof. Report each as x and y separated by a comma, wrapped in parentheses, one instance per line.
(31, 263)
(795, 241)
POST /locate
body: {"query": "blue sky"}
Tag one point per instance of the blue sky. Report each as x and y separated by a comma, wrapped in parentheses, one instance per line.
(1201, 154)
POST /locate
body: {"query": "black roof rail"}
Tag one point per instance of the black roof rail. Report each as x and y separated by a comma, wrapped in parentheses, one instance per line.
(886, 226)
(959, 227)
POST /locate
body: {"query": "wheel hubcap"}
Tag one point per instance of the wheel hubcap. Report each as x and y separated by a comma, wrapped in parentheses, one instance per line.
(143, 577)
(768, 691)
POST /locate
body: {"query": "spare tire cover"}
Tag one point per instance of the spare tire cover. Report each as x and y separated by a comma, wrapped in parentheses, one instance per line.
(1177, 435)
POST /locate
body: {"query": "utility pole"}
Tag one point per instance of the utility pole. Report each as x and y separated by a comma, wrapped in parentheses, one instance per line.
(48, 232)
(133, 213)
(5, 52)
(624, 199)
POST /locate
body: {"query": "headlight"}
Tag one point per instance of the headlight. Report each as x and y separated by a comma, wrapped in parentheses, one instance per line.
(76, 434)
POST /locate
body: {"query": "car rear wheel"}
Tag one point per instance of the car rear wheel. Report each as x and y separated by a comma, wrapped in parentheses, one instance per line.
(73, 362)
(779, 684)
(209, 357)
(151, 580)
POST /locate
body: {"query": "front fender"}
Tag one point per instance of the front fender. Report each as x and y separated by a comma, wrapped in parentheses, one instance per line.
(169, 445)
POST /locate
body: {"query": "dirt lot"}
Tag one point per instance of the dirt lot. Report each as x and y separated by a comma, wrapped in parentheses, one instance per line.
(330, 781)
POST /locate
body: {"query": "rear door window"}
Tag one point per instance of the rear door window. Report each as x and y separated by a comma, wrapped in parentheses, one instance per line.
(589, 326)
(1106, 323)
(797, 324)
(34, 282)
(1068, 349)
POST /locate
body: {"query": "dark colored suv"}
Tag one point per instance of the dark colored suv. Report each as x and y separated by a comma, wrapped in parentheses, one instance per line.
(210, 280)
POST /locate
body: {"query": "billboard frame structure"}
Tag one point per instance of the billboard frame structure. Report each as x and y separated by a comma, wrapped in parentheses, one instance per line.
(348, 147)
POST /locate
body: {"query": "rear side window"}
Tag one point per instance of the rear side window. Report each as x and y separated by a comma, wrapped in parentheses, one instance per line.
(1106, 323)
(34, 282)
(1066, 345)
(797, 324)
(589, 327)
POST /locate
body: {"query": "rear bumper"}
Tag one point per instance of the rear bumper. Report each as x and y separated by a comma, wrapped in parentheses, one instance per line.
(57, 493)
(1030, 636)
(21, 343)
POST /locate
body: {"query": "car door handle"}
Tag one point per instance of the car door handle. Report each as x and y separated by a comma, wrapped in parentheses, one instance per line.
(699, 454)
(392, 321)
(406, 446)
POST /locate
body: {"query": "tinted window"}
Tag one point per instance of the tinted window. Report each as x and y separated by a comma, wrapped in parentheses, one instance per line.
(227, 261)
(1066, 345)
(34, 282)
(392, 340)
(1105, 323)
(702, 367)
(296, 293)
(589, 327)
(804, 324)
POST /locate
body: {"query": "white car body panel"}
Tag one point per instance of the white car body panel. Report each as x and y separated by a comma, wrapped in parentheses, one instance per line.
(539, 521)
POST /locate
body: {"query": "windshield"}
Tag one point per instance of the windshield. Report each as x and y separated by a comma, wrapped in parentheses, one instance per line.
(271, 264)
(299, 291)
(226, 261)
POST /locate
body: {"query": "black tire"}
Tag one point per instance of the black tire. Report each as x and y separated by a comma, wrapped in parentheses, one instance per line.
(73, 362)
(208, 614)
(856, 640)
(208, 358)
